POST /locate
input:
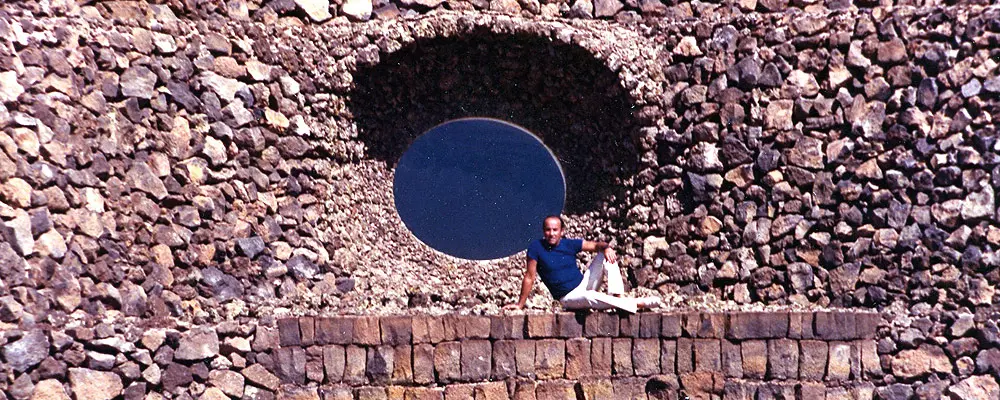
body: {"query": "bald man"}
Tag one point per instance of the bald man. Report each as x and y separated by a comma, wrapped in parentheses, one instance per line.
(553, 259)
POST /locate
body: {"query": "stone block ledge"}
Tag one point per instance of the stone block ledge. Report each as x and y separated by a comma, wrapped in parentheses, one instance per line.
(733, 325)
(825, 348)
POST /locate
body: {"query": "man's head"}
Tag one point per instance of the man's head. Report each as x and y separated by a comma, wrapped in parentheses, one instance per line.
(552, 228)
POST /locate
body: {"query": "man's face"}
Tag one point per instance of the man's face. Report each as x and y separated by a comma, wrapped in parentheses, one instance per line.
(553, 231)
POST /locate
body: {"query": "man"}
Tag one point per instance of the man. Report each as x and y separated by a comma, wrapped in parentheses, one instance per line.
(554, 260)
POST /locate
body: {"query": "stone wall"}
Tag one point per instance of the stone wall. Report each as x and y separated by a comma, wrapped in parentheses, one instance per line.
(204, 163)
(601, 355)
(737, 355)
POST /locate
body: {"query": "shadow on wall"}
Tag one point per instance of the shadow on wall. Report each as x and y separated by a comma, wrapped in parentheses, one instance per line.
(560, 92)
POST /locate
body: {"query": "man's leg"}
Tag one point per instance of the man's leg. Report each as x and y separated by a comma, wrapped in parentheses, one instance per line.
(594, 300)
(599, 267)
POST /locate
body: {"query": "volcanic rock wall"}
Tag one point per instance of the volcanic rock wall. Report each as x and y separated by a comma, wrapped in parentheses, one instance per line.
(599, 355)
(199, 163)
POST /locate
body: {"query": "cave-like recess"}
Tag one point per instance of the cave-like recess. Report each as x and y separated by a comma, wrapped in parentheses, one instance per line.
(559, 91)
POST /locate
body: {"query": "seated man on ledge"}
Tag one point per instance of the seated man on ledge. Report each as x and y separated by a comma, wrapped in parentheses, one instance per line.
(554, 259)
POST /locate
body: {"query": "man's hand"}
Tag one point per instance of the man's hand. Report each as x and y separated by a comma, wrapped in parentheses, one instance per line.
(514, 306)
(610, 256)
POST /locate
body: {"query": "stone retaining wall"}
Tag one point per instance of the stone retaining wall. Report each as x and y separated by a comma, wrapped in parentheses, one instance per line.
(730, 354)
(159, 162)
(735, 355)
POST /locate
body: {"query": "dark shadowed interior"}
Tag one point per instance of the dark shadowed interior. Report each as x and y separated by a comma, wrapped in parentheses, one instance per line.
(560, 92)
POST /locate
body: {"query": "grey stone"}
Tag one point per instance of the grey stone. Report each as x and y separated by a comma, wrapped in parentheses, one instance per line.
(988, 361)
(704, 157)
(197, 344)
(224, 88)
(27, 351)
(100, 361)
(224, 287)
(293, 147)
(22, 388)
(979, 204)
(784, 224)
(17, 232)
(251, 246)
(971, 88)
(992, 85)
(345, 285)
(10, 309)
(757, 232)
(770, 76)
(237, 115)
(898, 214)
(142, 178)
(607, 8)
(745, 73)
(801, 276)
(133, 300)
(896, 391)
(181, 93)
(138, 81)
(301, 267)
(176, 375)
(217, 43)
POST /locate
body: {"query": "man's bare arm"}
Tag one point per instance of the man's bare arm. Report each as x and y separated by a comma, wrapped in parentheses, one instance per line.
(530, 271)
(609, 253)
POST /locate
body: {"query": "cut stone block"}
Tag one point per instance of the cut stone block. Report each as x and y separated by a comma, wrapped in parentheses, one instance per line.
(600, 356)
(578, 358)
(783, 357)
(601, 324)
(646, 356)
(541, 325)
(621, 357)
(448, 361)
(288, 332)
(396, 330)
(550, 359)
(476, 360)
(504, 359)
(569, 325)
(707, 355)
(758, 325)
(754, 354)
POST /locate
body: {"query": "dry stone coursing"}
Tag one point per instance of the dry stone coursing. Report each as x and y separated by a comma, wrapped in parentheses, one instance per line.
(142, 145)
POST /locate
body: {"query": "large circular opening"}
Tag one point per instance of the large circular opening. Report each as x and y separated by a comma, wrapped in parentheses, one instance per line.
(560, 92)
(477, 188)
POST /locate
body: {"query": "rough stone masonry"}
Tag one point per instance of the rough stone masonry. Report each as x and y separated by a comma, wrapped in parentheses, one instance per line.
(203, 167)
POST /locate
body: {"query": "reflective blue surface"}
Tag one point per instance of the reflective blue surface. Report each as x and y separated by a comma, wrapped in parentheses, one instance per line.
(478, 188)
